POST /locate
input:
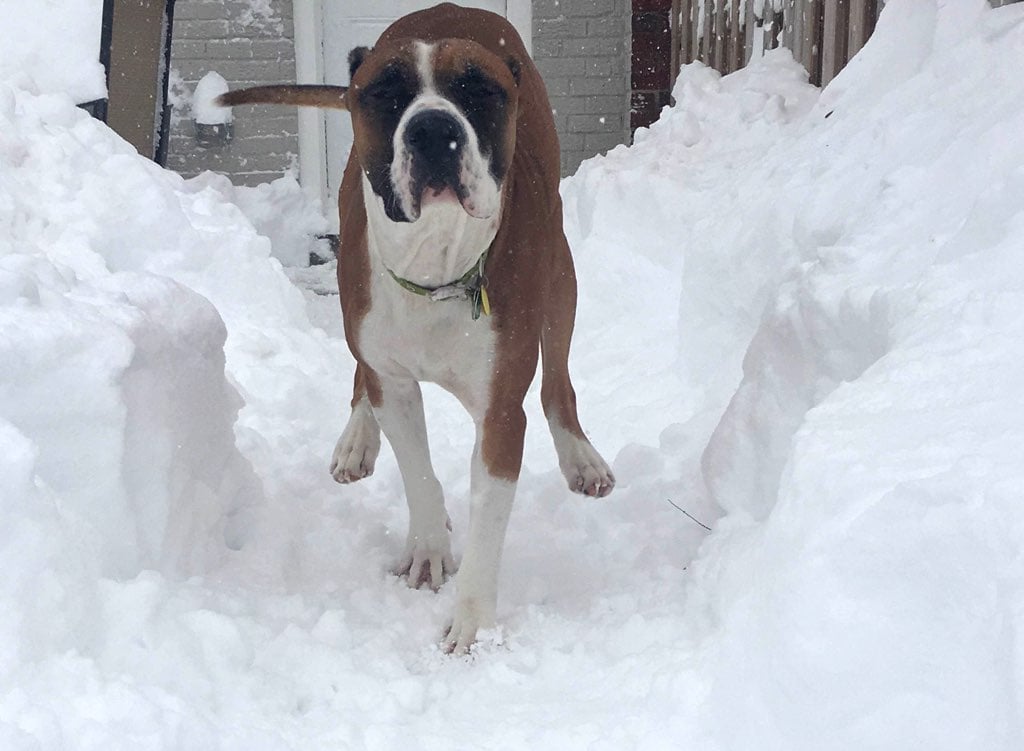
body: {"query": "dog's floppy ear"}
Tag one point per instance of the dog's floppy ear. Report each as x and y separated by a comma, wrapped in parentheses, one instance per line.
(515, 66)
(355, 59)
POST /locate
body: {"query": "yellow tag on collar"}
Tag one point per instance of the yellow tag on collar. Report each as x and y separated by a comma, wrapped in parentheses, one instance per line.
(485, 301)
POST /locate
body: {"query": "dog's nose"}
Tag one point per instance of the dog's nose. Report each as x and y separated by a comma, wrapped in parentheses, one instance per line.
(435, 136)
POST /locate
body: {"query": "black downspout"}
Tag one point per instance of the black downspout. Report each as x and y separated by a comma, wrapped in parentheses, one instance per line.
(163, 132)
(98, 108)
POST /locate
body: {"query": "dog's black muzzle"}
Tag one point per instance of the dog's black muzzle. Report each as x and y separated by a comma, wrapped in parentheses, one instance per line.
(435, 140)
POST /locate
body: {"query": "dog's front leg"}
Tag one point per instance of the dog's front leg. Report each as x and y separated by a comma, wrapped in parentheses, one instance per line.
(497, 458)
(428, 555)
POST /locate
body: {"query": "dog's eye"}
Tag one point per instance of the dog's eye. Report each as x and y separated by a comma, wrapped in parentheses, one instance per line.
(388, 98)
(476, 85)
(389, 94)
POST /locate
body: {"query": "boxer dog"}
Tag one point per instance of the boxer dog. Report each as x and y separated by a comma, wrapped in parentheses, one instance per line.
(453, 268)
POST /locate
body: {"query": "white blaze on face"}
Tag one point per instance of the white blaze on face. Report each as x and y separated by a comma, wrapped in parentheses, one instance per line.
(480, 193)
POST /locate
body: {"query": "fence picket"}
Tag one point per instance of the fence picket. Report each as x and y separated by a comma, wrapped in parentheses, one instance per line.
(828, 52)
(705, 54)
(787, 24)
(721, 62)
(736, 39)
(748, 32)
(683, 49)
(695, 31)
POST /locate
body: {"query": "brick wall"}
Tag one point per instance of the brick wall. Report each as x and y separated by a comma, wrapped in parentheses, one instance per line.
(582, 48)
(583, 52)
(248, 42)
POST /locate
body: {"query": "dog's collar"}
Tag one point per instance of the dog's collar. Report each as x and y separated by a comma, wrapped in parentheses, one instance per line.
(472, 285)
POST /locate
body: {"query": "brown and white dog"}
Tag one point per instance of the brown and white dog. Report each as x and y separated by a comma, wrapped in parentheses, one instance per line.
(450, 209)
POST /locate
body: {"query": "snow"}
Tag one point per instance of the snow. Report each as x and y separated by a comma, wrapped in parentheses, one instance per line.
(279, 211)
(53, 46)
(801, 321)
(204, 110)
(261, 14)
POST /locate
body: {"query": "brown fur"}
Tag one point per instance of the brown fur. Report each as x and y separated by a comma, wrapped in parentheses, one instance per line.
(530, 273)
(323, 97)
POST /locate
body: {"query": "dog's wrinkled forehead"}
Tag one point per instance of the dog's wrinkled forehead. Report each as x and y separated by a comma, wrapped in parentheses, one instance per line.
(386, 79)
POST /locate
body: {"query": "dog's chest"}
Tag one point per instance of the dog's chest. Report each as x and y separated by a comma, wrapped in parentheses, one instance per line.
(405, 335)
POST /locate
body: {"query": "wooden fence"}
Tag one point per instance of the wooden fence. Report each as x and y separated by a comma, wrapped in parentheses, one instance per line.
(823, 34)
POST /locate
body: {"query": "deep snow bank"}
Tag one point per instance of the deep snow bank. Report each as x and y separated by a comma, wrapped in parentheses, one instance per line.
(118, 450)
(862, 264)
(864, 590)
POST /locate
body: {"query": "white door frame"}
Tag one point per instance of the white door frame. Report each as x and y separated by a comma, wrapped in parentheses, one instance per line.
(309, 68)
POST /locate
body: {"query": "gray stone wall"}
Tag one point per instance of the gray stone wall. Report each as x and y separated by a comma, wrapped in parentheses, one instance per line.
(249, 44)
(582, 50)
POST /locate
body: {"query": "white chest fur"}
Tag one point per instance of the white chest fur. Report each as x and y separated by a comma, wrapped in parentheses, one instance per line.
(438, 248)
(408, 336)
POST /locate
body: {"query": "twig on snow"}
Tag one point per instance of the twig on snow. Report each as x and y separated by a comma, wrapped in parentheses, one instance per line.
(689, 515)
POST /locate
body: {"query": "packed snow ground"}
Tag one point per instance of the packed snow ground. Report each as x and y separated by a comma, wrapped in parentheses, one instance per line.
(801, 320)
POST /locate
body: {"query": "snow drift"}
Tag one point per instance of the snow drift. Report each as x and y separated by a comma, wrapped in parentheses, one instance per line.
(864, 586)
(801, 321)
(53, 46)
(119, 452)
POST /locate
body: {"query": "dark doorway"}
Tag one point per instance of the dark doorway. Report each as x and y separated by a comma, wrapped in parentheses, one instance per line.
(654, 60)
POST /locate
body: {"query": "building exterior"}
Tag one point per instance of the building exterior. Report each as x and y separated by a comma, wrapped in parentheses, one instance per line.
(582, 48)
(248, 48)
(609, 66)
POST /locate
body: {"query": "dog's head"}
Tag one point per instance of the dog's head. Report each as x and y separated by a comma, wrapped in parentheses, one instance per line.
(433, 123)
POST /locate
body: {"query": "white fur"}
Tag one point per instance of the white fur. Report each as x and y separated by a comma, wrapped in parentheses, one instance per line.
(425, 68)
(490, 508)
(356, 451)
(428, 543)
(436, 249)
(584, 469)
(410, 337)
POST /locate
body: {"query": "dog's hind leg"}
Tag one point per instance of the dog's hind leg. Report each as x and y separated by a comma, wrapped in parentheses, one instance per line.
(584, 469)
(428, 556)
(356, 451)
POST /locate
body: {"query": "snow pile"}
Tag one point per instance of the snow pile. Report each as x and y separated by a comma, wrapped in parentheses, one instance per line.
(205, 111)
(864, 589)
(53, 46)
(873, 446)
(279, 211)
(858, 274)
(117, 421)
(114, 375)
(801, 321)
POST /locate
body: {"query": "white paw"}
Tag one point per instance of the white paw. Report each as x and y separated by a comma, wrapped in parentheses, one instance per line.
(427, 560)
(356, 451)
(584, 469)
(471, 615)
